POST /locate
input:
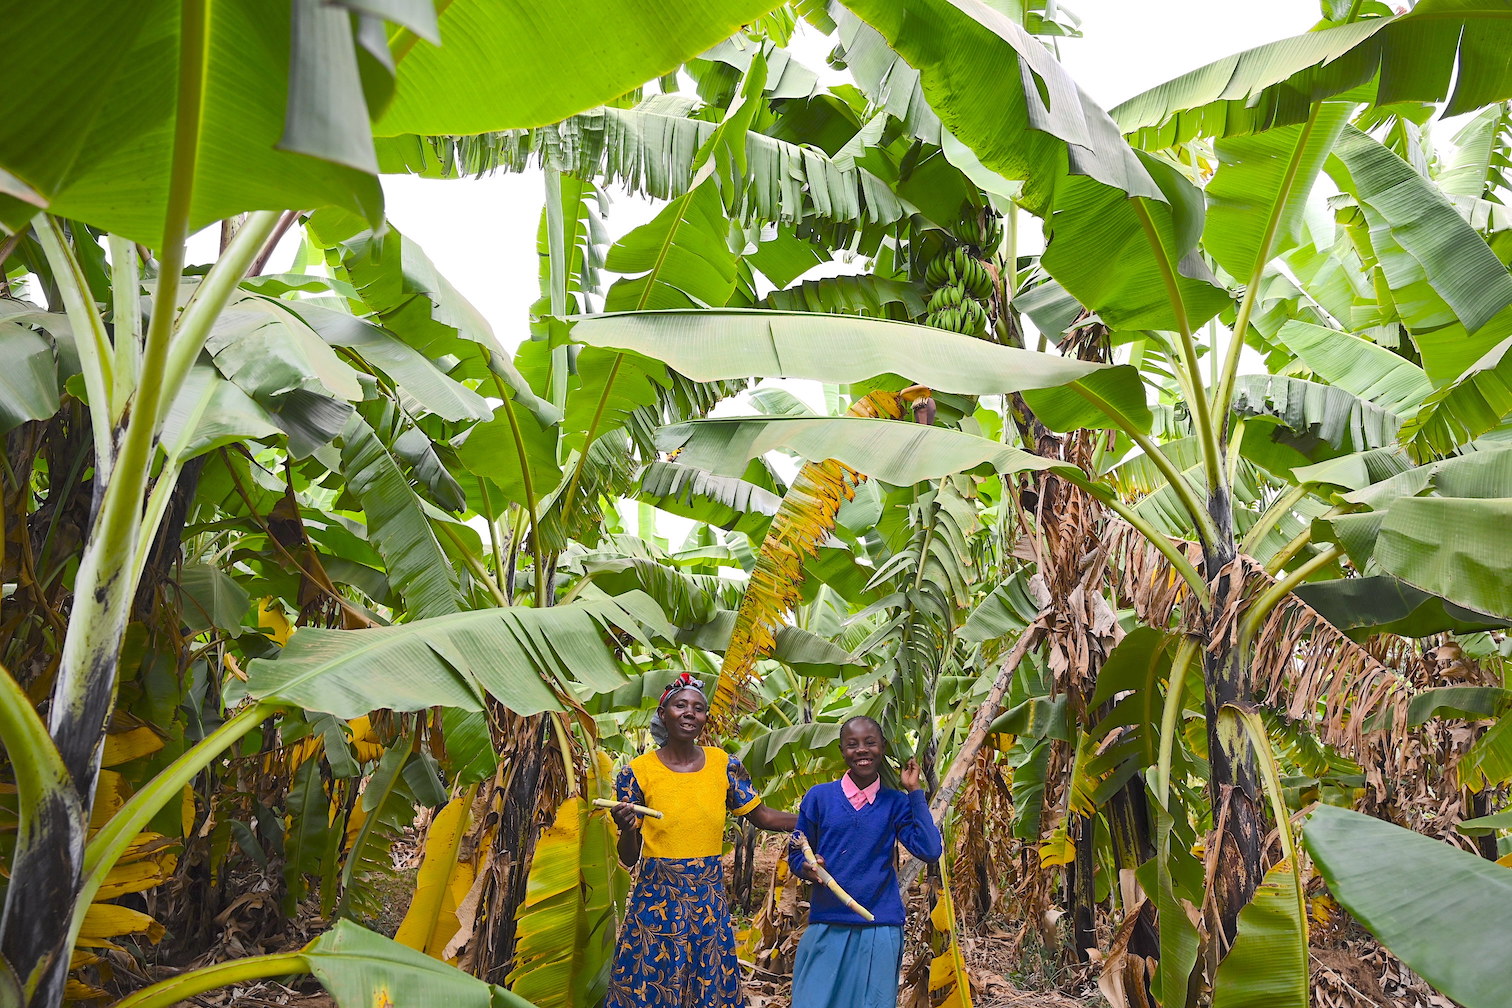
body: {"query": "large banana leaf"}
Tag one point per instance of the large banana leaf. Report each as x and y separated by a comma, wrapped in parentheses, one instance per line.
(1444, 252)
(893, 451)
(567, 924)
(681, 258)
(726, 501)
(522, 657)
(1473, 404)
(1364, 606)
(398, 526)
(709, 345)
(1409, 58)
(1314, 412)
(361, 969)
(507, 65)
(1451, 547)
(1267, 967)
(1258, 194)
(1001, 94)
(652, 149)
(29, 385)
(1440, 910)
(1357, 366)
(414, 375)
(99, 147)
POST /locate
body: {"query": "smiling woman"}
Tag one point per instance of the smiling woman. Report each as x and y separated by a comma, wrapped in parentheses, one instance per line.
(677, 949)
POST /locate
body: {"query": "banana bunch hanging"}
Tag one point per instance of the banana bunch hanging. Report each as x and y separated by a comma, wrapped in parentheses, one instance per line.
(961, 287)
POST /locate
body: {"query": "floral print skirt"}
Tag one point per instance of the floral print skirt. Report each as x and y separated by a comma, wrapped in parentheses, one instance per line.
(677, 948)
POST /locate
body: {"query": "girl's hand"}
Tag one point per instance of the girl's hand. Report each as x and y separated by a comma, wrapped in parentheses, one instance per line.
(625, 817)
(910, 775)
(807, 871)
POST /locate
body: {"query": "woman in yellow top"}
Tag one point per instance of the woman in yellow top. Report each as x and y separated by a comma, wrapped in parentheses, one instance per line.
(677, 948)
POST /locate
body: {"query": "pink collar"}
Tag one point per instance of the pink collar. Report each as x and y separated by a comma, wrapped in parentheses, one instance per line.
(858, 795)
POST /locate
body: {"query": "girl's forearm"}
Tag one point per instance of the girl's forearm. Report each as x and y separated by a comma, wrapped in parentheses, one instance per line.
(629, 846)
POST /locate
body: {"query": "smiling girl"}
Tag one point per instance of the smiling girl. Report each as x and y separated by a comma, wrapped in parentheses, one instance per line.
(677, 948)
(854, 825)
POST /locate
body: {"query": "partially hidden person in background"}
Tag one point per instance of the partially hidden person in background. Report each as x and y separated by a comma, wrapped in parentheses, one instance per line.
(853, 826)
(677, 946)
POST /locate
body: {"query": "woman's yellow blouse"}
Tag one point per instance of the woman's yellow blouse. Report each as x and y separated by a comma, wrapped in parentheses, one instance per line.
(693, 805)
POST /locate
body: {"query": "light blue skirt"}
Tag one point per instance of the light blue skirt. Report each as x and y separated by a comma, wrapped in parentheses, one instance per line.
(848, 966)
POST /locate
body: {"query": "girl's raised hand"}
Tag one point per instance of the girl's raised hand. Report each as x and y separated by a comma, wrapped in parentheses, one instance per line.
(910, 775)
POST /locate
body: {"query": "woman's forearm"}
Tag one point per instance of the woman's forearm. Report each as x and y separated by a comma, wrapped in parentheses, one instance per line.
(767, 818)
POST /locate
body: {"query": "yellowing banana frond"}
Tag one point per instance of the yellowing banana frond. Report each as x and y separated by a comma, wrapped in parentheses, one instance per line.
(123, 747)
(431, 921)
(272, 621)
(949, 983)
(1058, 849)
(107, 920)
(365, 739)
(804, 519)
(111, 792)
(567, 924)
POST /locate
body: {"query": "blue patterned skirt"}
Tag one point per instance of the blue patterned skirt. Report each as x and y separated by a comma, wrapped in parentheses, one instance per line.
(677, 948)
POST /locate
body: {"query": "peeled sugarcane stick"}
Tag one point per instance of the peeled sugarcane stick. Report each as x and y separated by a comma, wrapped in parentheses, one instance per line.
(828, 879)
(639, 810)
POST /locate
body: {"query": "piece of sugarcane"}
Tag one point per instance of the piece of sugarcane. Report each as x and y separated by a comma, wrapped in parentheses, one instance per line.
(828, 879)
(639, 810)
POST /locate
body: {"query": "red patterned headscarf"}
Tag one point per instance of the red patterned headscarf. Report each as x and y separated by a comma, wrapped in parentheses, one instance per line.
(683, 681)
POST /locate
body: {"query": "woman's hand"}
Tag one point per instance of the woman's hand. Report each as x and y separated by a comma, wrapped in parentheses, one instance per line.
(910, 776)
(808, 872)
(625, 817)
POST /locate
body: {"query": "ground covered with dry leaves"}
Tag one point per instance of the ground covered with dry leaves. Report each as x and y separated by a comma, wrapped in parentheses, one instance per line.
(1009, 965)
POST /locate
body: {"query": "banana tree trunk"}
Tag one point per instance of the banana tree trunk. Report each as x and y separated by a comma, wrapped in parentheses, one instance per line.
(1234, 782)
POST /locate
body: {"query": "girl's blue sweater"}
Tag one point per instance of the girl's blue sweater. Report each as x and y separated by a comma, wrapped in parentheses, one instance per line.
(857, 846)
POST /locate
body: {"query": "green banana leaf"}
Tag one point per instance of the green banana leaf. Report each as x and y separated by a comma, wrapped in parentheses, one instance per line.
(361, 969)
(503, 66)
(1267, 967)
(712, 345)
(520, 656)
(893, 451)
(1357, 366)
(1440, 910)
(1451, 547)
(1378, 603)
(397, 524)
(1405, 209)
(1257, 196)
(99, 147)
(1006, 99)
(29, 382)
(1398, 59)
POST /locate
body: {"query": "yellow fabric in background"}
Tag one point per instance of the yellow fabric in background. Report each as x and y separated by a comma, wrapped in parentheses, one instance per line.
(693, 806)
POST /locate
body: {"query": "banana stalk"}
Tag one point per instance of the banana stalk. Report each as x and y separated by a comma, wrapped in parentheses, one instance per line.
(640, 810)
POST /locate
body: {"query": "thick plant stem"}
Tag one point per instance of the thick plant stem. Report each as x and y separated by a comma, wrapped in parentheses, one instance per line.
(1234, 782)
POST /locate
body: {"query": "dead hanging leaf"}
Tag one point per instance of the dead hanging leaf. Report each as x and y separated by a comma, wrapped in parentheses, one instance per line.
(804, 519)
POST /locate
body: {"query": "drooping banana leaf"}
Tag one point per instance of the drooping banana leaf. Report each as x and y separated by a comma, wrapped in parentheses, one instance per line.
(1411, 57)
(552, 70)
(1440, 910)
(398, 526)
(1001, 95)
(707, 346)
(520, 656)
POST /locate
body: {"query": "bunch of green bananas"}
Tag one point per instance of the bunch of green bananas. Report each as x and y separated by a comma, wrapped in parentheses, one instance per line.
(968, 317)
(961, 283)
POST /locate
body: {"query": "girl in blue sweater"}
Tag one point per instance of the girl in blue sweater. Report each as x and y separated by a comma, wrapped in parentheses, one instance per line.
(854, 825)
